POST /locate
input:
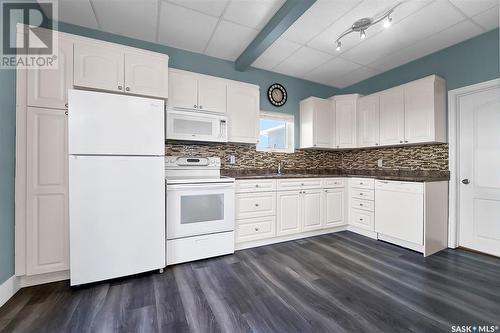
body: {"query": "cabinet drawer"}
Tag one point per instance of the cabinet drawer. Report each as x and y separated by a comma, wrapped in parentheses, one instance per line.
(255, 228)
(367, 183)
(333, 182)
(363, 204)
(199, 247)
(255, 204)
(362, 219)
(357, 193)
(255, 185)
(299, 183)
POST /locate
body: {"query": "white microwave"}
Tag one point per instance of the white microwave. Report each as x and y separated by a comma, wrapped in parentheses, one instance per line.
(195, 126)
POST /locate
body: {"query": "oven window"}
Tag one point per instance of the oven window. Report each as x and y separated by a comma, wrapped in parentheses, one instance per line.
(202, 208)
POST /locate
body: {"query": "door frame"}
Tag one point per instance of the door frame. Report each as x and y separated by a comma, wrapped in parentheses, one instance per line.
(454, 97)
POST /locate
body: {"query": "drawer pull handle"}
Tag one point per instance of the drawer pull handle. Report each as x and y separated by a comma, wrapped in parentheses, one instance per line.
(256, 229)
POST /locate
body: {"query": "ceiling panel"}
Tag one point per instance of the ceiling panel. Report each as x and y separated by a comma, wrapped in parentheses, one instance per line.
(275, 54)
(302, 61)
(185, 29)
(353, 77)
(252, 13)
(77, 12)
(130, 18)
(229, 40)
(473, 7)
(318, 17)
(210, 7)
(336, 67)
(489, 19)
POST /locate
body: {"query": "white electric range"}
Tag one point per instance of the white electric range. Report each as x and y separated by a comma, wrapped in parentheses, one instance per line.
(200, 209)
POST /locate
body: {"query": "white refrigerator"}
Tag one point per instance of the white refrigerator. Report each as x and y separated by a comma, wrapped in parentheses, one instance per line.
(116, 185)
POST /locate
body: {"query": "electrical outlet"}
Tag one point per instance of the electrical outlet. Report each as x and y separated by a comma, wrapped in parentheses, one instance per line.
(379, 163)
(232, 159)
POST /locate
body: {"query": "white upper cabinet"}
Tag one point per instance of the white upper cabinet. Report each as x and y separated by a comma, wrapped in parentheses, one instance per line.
(110, 67)
(146, 74)
(345, 120)
(243, 108)
(317, 123)
(196, 91)
(425, 110)
(392, 120)
(368, 121)
(48, 88)
(98, 66)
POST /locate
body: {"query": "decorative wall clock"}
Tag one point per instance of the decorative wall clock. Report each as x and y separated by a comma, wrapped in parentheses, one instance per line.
(277, 94)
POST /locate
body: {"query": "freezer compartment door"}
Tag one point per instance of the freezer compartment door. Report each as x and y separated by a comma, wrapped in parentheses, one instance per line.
(117, 216)
(110, 124)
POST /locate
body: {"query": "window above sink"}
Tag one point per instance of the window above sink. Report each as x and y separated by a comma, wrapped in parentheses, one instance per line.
(276, 132)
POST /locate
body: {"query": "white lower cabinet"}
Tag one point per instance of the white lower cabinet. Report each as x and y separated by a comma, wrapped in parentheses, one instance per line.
(256, 228)
(289, 212)
(334, 207)
(361, 203)
(312, 210)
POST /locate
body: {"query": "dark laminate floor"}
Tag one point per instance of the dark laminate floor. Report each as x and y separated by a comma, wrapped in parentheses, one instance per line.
(333, 283)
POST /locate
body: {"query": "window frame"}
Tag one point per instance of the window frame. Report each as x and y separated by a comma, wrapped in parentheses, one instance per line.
(290, 127)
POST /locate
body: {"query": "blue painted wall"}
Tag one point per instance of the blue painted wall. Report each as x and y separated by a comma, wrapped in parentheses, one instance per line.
(472, 61)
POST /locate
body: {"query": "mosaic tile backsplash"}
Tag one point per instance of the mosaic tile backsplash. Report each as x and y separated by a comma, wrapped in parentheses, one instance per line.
(421, 157)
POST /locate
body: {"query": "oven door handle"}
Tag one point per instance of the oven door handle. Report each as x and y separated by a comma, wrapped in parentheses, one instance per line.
(199, 186)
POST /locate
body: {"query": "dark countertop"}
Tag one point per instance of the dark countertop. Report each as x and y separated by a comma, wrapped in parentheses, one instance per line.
(396, 175)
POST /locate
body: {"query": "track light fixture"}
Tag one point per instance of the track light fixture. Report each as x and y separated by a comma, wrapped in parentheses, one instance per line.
(363, 24)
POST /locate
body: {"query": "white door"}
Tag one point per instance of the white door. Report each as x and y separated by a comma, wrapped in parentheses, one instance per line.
(323, 113)
(146, 74)
(212, 94)
(312, 210)
(368, 121)
(98, 67)
(419, 104)
(334, 207)
(243, 111)
(479, 190)
(288, 213)
(48, 88)
(345, 123)
(112, 124)
(392, 122)
(47, 191)
(183, 90)
(117, 216)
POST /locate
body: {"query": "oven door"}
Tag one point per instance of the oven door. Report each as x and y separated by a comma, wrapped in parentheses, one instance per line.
(197, 209)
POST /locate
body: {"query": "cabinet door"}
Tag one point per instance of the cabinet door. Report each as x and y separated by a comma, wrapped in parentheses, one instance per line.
(345, 123)
(419, 111)
(98, 67)
(146, 74)
(323, 113)
(48, 88)
(183, 90)
(288, 213)
(312, 210)
(212, 94)
(47, 192)
(243, 111)
(368, 121)
(334, 207)
(392, 116)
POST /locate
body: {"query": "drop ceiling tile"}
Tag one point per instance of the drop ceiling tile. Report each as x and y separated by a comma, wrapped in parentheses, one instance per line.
(129, 18)
(275, 54)
(474, 7)
(455, 34)
(230, 40)
(78, 12)
(353, 77)
(302, 61)
(337, 67)
(185, 29)
(489, 19)
(210, 7)
(317, 18)
(252, 13)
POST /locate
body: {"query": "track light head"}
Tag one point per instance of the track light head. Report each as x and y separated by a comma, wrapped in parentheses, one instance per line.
(339, 45)
(362, 34)
(388, 22)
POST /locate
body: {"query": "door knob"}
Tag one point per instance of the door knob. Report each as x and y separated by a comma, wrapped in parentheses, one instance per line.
(465, 181)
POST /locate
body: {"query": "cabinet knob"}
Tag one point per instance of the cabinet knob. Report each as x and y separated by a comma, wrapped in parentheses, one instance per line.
(361, 204)
(256, 205)
(66, 112)
(360, 219)
(256, 185)
(361, 194)
(66, 105)
(376, 143)
(195, 106)
(406, 141)
(400, 141)
(256, 229)
(201, 106)
(120, 87)
(127, 89)
(301, 184)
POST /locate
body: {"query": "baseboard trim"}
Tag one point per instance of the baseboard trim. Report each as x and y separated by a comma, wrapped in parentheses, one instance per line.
(363, 232)
(280, 239)
(8, 289)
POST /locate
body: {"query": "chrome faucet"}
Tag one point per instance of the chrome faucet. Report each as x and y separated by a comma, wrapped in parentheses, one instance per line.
(279, 167)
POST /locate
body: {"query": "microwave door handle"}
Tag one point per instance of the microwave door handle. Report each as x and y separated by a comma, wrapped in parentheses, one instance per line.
(222, 132)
